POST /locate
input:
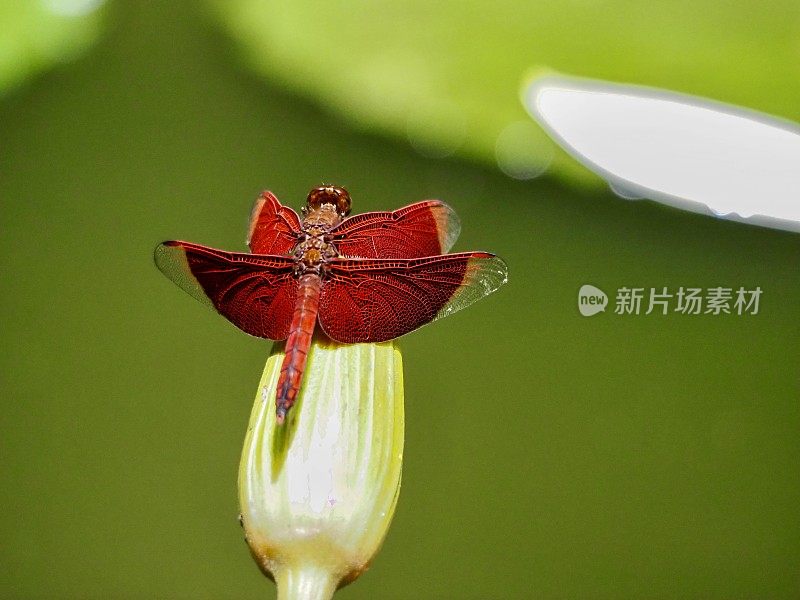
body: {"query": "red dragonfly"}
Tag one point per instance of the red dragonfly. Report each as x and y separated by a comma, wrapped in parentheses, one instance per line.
(367, 278)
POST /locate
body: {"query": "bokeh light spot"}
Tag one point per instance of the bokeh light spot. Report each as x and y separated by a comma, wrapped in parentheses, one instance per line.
(522, 151)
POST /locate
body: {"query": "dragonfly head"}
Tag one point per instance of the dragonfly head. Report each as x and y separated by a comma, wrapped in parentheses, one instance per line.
(329, 194)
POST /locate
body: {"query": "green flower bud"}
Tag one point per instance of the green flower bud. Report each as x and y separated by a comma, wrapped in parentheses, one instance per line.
(317, 494)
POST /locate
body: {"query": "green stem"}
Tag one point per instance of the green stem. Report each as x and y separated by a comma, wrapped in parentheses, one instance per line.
(305, 583)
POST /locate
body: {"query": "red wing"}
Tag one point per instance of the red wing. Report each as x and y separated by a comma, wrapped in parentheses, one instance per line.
(423, 229)
(273, 226)
(255, 293)
(377, 300)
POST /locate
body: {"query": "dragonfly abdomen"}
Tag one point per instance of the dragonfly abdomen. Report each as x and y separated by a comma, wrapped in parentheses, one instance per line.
(298, 343)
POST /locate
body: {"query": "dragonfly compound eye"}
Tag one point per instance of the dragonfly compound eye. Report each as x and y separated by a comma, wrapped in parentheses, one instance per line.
(343, 202)
(329, 194)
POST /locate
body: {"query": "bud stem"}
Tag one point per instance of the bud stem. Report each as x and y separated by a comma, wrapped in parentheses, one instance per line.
(305, 583)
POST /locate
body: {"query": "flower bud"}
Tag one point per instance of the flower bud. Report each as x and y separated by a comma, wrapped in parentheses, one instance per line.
(317, 493)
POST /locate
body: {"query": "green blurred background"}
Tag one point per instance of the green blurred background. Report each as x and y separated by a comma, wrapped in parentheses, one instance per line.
(548, 455)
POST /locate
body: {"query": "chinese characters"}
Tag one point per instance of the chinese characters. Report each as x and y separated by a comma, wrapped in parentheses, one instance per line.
(687, 301)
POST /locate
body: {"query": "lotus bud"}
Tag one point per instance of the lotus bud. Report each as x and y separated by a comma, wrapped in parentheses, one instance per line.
(317, 493)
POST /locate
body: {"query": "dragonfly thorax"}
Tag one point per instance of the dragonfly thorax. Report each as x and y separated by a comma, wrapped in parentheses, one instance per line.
(320, 220)
(313, 251)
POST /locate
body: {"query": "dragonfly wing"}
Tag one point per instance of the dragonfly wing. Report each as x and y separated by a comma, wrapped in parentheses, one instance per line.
(255, 293)
(376, 300)
(426, 228)
(273, 226)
